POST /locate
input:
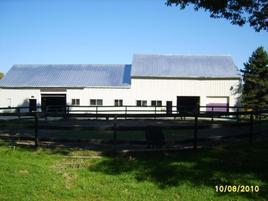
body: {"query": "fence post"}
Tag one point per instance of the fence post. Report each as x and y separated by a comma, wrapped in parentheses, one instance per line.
(65, 111)
(68, 112)
(115, 132)
(46, 111)
(154, 112)
(195, 129)
(125, 112)
(96, 112)
(18, 109)
(237, 115)
(251, 128)
(36, 138)
(212, 115)
(260, 122)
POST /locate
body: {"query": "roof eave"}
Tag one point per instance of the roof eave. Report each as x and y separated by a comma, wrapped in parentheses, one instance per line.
(63, 87)
(188, 77)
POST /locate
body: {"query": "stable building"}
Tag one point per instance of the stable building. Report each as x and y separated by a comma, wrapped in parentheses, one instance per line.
(151, 80)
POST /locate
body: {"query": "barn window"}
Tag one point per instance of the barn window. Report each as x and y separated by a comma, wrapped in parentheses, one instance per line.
(93, 102)
(96, 102)
(141, 103)
(99, 101)
(118, 102)
(157, 103)
(75, 101)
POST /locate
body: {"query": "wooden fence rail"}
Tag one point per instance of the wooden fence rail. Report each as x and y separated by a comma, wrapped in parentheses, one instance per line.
(115, 128)
(129, 110)
(197, 115)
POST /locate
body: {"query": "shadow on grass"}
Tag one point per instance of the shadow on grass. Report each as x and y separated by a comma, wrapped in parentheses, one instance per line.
(222, 166)
(225, 165)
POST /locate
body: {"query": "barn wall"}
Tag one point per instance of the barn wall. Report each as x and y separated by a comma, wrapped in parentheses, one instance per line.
(169, 89)
(108, 95)
(18, 97)
(141, 89)
(159, 89)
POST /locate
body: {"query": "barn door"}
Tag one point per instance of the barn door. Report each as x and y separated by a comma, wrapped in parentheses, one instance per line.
(169, 107)
(187, 104)
(217, 104)
(32, 105)
(53, 102)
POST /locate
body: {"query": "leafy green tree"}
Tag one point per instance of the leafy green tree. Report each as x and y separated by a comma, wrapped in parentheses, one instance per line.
(239, 12)
(255, 78)
(1, 75)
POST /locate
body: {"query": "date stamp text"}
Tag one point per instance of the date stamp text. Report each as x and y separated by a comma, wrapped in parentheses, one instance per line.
(237, 189)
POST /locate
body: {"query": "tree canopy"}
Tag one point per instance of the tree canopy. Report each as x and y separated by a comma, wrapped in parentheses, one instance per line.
(255, 77)
(1, 75)
(239, 12)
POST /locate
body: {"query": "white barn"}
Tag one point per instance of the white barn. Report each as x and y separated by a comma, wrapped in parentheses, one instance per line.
(151, 80)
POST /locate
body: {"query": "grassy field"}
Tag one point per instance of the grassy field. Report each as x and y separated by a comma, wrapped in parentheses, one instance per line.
(75, 174)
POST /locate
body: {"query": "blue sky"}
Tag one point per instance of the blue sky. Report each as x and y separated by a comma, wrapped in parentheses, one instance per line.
(111, 31)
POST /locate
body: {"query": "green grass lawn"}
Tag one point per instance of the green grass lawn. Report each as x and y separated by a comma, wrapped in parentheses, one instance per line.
(76, 174)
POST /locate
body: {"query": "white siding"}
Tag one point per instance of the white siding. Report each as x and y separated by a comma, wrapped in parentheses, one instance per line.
(215, 99)
(141, 89)
(108, 95)
(169, 89)
(18, 97)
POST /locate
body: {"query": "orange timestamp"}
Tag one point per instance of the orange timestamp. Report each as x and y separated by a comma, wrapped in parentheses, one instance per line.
(237, 189)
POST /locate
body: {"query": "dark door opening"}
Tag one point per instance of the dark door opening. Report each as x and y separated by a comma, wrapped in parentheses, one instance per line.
(187, 104)
(53, 102)
(169, 107)
(32, 105)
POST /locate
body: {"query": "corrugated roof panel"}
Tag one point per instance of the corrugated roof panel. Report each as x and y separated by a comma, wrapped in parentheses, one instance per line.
(77, 75)
(183, 66)
(107, 75)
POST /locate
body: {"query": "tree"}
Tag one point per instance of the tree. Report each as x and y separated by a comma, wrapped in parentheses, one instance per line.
(1, 75)
(255, 78)
(239, 12)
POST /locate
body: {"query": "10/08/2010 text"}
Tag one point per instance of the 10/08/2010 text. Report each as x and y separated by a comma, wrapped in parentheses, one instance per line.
(237, 189)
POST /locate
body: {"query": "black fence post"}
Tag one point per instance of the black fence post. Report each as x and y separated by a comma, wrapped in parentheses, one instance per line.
(260, 120)
(154, 112)
(96, 112)
(212, 115)
(195, 129)
(18, 110)
(36, 138)
(251, 128)
(46, 112)
(115, 132)
(237, 115)
(68, 111)
(65, 112)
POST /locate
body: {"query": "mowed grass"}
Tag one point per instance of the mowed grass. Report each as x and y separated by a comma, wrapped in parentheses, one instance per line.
(77, 174)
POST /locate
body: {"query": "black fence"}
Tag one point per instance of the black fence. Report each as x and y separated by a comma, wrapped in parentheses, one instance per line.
(194, 124)
(129, 111)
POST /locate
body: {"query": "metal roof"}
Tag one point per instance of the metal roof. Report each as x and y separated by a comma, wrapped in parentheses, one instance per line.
(71, 75)
(118, 75)
(183, 66)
